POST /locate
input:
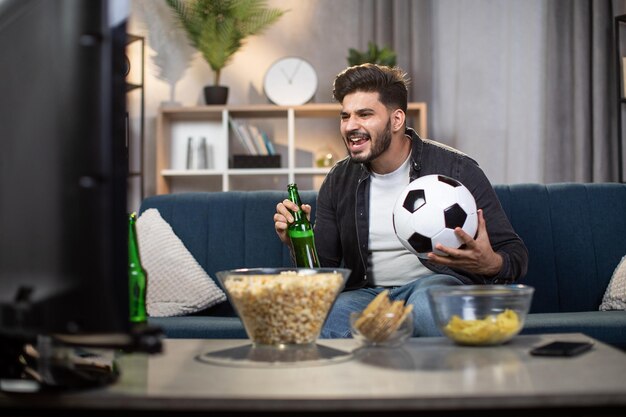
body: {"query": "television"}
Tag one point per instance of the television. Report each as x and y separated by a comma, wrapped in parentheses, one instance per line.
(63, 173)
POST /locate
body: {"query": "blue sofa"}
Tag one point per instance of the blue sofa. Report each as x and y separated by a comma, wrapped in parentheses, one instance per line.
(575, 234)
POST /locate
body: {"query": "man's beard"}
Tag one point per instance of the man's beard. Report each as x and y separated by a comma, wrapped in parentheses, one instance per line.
(378, 147)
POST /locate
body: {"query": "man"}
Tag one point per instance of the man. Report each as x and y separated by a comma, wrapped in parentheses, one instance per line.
(353, 224)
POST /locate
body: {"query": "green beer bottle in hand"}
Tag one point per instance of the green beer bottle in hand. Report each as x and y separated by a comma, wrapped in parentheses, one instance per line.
(301, 234)
(137, 281)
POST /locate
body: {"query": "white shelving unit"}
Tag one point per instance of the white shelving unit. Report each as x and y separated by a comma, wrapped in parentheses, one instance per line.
(176, 124)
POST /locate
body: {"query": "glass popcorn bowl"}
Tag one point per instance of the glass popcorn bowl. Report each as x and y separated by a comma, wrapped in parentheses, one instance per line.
(386, 330)
(283, 306)
(480, 315)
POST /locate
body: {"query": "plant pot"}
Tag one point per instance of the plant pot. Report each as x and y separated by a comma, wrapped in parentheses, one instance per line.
(215, 94)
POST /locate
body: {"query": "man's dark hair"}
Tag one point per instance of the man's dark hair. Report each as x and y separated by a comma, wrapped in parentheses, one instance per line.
(391, 84)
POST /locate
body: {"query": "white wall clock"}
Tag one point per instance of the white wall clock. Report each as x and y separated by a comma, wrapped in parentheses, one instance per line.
(290, 81)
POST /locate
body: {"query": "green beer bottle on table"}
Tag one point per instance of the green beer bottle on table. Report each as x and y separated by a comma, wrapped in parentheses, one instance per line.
(301, 234)
(137, 281)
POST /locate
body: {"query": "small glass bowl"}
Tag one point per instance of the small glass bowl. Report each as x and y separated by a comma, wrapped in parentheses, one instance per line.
(480, 315)
(382, 333)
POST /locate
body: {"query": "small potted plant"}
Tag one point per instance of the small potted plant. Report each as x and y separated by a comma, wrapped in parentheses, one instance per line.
(218, 28)
(373, 55)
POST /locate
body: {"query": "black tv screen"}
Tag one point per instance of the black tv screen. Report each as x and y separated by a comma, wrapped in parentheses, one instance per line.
(63, 220)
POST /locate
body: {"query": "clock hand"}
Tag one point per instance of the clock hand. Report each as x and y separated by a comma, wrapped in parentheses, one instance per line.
(295, 71)
(293, 74)
(285, 74)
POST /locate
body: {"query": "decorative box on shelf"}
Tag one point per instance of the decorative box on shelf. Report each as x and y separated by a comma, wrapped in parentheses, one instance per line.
(256, 161)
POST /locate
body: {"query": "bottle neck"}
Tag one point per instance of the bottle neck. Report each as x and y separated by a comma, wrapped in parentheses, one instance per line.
(133, 248)
(294, 196)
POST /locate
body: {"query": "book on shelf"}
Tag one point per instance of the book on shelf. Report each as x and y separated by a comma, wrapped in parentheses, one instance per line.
(254, 140)
(268, 144)
(257, 137)
(265, 145)
(244, 136)
(199, 154)
(207, 151)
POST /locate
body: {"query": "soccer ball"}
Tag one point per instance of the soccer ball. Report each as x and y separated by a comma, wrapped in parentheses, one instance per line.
(428, 210)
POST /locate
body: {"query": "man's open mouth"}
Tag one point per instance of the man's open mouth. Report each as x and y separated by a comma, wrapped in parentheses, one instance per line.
(357, 139)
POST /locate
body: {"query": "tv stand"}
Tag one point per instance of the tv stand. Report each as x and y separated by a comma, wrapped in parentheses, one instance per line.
(69, 361)
(11, 365)
(51, 365)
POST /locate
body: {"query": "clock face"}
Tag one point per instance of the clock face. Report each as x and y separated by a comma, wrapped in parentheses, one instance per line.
(290, 81)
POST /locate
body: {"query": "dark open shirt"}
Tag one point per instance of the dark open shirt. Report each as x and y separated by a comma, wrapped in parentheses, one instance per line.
(342, 217)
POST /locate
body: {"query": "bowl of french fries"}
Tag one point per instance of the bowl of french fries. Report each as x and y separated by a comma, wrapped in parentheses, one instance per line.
(480, 315)
(283, 306)
(383, 322)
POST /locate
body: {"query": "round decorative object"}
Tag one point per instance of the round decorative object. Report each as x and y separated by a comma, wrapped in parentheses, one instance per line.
(290, 81)
(126, 65)
(428, 211)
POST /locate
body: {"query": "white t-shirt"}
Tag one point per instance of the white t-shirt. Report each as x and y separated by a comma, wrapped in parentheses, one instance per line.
(391, 263)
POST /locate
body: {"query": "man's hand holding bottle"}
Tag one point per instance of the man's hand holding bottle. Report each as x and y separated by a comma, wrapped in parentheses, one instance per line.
(293, 226)
(283, 217)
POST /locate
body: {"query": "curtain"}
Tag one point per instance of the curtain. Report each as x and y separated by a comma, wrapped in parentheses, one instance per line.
(528, 89)
(580, 125)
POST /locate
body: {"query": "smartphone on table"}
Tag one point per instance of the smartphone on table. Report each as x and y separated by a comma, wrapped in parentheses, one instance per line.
(560, 348)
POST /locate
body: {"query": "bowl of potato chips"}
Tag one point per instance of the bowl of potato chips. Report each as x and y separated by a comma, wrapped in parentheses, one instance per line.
(480, 315)
(283, 306)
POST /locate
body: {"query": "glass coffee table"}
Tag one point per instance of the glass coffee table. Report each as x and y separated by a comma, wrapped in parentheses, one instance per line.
(425, 375)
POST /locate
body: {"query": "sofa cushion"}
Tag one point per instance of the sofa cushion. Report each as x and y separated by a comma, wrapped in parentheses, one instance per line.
(574, 234)
(615, 295)
(518, 201)
(177, 284)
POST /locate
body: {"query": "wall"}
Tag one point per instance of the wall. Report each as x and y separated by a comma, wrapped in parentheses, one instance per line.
(302, 31)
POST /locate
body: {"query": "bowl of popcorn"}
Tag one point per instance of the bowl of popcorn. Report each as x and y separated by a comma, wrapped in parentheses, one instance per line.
(383, 322)
(480, 315)
(283, 306)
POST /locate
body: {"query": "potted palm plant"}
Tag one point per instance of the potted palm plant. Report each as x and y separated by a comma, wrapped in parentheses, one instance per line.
(373, 54)
(218, 28)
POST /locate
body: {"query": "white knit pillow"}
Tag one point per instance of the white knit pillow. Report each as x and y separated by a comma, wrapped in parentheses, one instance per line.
(615, 295)
(177, 284)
